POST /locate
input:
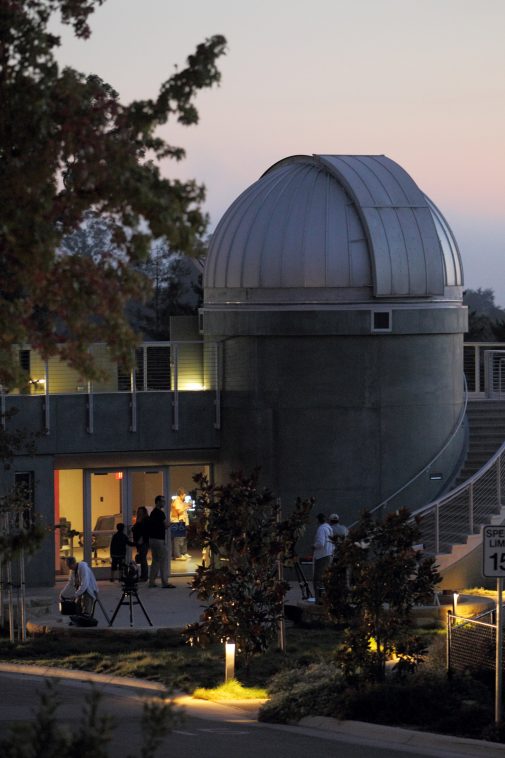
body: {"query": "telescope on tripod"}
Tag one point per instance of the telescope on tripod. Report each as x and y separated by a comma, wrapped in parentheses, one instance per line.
(130, 596)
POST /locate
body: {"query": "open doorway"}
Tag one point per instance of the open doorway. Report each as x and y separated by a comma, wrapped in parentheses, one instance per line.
(88, 505)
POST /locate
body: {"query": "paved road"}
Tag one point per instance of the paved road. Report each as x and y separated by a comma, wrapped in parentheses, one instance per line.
(216, 731)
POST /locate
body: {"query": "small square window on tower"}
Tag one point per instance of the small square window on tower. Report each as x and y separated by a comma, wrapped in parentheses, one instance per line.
(381, 321)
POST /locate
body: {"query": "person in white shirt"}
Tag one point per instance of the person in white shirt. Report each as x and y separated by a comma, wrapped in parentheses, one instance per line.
(81, 585)
(323, 551)
(179, 513)
(339, 530)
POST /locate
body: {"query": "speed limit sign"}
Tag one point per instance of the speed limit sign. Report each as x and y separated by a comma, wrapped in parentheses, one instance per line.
(493, 556)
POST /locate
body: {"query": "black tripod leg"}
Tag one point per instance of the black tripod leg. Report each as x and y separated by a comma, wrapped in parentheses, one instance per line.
(143, 609)
(117, 609)
(131, 608)
(103, 610)
(304, 585)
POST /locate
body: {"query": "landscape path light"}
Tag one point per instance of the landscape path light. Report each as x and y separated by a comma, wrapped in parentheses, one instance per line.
(455, 596)
(229, 669)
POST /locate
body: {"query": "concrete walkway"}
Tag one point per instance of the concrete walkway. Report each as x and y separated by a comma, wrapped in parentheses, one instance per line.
(166, 608)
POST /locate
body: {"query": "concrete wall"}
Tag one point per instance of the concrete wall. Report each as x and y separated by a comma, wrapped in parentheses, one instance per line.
(347, 418)
(112, 419)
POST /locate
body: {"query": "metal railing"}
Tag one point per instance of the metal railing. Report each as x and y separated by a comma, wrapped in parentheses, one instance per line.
(471, 644)
(383, 505)
(169, 367)
(474, 364)
(463, 511)
(158, 366)
(494, 374)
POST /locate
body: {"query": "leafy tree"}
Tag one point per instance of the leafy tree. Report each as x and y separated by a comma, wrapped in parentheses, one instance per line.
(482, 301)
(19, 530)
(240, 526)
(376, 577)
(485, 319)
(499, 330)
(69, 147)
(174, 289)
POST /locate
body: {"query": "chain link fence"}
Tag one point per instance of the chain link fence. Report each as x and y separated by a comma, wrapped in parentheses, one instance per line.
(471, 643)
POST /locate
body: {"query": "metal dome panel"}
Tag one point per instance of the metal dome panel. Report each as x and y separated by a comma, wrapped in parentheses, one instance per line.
(317, 226)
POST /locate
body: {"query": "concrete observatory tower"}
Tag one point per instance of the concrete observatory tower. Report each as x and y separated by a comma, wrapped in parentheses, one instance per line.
(335, 288)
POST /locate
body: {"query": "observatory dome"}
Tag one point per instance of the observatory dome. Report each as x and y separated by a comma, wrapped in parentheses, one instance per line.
(329, 230)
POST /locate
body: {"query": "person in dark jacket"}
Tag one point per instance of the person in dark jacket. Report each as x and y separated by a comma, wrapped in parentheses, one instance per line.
(161, 548)
(118, 545)
(140, 534)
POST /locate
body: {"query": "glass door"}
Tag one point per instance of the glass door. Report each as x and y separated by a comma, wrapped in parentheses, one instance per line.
(68, 518)
(107, 510)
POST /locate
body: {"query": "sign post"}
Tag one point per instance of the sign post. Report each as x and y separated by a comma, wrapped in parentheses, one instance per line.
(493, 565)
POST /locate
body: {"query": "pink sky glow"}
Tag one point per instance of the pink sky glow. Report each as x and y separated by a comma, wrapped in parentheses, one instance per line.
(422, 81)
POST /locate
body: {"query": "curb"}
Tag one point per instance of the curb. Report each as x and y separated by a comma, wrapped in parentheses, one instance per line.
(382, 735)
(359, 732)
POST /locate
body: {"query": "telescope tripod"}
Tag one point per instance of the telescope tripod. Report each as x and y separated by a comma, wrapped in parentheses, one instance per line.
(130, 597)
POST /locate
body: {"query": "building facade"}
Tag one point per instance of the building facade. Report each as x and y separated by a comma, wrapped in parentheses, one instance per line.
(329, 352)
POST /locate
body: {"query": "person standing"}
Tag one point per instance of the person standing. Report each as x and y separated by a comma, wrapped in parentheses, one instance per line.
(323, 551)
(118, 545)
(179, 517)
(81, 586)
(339, 530)
(140, 534)
(161, 548)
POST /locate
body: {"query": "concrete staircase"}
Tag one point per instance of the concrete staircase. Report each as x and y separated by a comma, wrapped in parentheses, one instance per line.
(460, 561)
(486, 420)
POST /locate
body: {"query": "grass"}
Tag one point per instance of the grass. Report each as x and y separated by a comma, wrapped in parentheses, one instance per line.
(164, 657)
(480, 592)
(231, 690)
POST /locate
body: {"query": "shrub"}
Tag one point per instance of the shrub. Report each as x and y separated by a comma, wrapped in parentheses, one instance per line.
(300, 692)
(460, 706)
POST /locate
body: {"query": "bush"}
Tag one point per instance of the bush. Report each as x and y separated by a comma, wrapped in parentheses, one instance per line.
(460, 706)
(300, 692)
(424, 701)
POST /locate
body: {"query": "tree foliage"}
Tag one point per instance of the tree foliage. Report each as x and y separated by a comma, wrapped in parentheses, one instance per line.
(69, 147)
(241, 527)
(19, 529)
(376, 577)
(174, 289)
(486, 320)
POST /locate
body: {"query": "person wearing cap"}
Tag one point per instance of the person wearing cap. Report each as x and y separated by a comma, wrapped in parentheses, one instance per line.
(338, 529)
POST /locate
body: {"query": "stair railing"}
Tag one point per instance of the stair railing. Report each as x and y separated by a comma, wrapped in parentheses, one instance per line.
(384, 503)
(463, 511)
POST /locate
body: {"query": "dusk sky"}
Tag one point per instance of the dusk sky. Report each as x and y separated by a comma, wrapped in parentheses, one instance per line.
(421, 81)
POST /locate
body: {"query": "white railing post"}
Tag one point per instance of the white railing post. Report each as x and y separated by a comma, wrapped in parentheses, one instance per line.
(476, 367)
(91, 409)
(47, 417)
(133, 400)
(488, 376)
(217, 379)
(498, 481)
(175, 401)
(470, 508)
(144, 368)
